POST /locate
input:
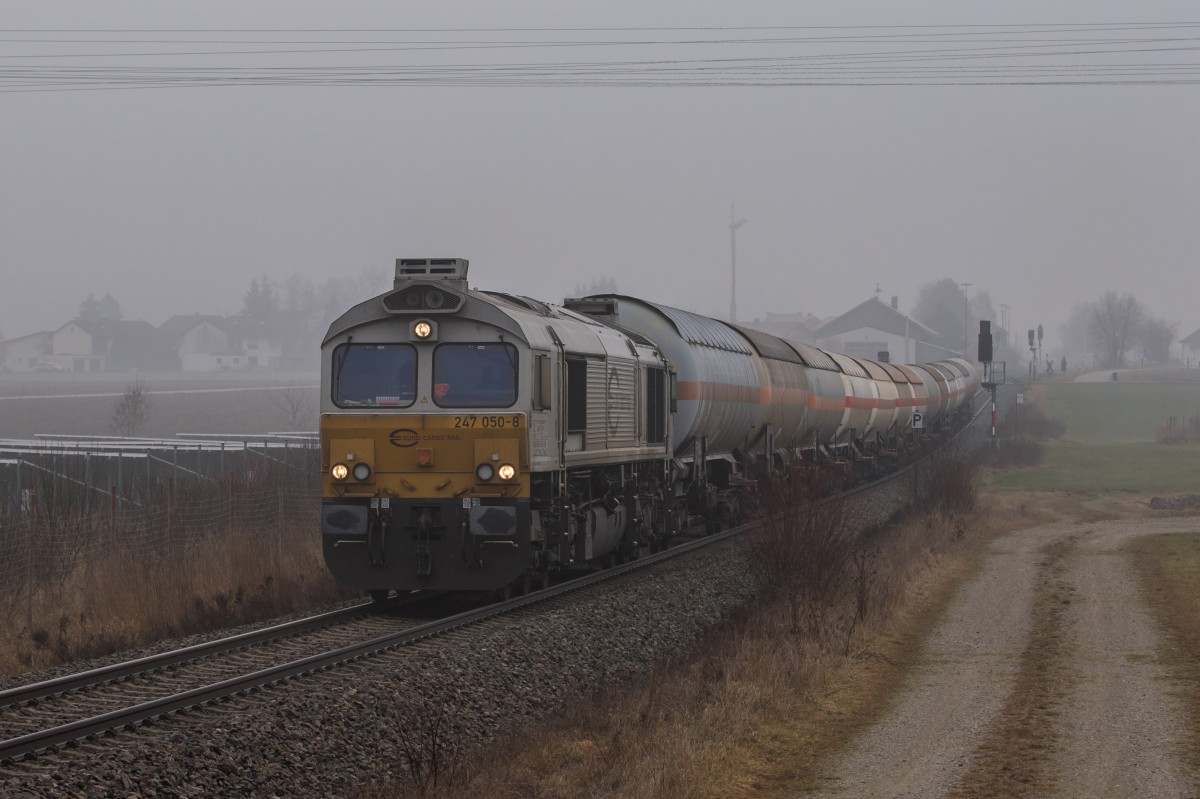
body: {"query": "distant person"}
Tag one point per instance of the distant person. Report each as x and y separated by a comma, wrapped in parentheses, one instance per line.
(1064, 365)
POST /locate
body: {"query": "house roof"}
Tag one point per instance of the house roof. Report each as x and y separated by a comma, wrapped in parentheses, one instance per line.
(41, 334)
(790, 326)
(115, 329)
(1192, 340)
(180, 325)
(875, 314)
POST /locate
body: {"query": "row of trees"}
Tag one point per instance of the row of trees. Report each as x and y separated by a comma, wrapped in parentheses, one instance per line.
(1109, 328)
(299, 309)
(1113, 326)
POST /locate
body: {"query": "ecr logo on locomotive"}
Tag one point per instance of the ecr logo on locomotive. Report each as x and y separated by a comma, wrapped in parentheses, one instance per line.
(404, 437)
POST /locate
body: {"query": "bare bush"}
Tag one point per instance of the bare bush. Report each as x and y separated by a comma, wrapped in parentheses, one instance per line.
(431, 752)
(133, 409)
(1180, 430)
(1014, 453)
(947, 481)
(803, 551)
(1031, 422)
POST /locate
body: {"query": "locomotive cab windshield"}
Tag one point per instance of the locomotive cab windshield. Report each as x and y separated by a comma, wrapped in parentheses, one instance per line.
(374, 375)
(475, 375)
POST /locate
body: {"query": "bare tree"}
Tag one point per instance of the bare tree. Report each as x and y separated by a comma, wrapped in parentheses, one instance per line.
(1115, 321)
(1156, 336)
(296, 407)
(133, 409)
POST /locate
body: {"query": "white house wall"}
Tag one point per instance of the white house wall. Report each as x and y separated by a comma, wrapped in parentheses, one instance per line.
(899, 350)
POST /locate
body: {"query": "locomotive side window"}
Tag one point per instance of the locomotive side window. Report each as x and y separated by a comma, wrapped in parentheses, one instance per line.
(374, 375)
(576, 395)
(656, 402)
(475, 375)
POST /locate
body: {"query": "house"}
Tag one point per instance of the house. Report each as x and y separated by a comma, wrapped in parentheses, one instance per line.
(872, 328)
(24, 354)
(201, 343)
(107, 345)
(1190, 347)
(207, 343)
(261, 345)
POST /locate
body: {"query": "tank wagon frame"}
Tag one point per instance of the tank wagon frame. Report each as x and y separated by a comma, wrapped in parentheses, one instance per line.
(483, 440)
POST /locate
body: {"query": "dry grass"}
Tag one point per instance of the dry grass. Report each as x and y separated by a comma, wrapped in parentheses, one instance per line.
(759, 704)
(99, 582)
(1168, 567)
(1180, 430)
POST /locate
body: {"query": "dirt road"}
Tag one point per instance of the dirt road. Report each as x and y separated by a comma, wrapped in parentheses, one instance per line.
(1043, 679)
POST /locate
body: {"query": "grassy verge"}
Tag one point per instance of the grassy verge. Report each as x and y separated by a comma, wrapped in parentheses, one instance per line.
(86, 579)
(1168, 567)
(113, 604)
(768, 695)
(1108, 444)
(1079, 467)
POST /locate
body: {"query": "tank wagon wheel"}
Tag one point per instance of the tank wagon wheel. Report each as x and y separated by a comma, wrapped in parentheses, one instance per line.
(379, 594)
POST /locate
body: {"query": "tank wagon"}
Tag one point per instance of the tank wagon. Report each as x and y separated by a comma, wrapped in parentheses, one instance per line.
(481, 440)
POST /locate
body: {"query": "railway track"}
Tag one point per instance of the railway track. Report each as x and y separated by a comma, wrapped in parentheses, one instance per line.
(28, 712)
(19, 702)
(47, 716)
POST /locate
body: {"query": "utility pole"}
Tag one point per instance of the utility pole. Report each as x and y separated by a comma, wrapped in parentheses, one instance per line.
(734, 224)
(966, 318)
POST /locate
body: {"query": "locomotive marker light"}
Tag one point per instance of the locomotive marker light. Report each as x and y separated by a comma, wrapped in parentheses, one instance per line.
(424, 330)
(507, 471)
(339, 471)
(362, 472)
(485, 472)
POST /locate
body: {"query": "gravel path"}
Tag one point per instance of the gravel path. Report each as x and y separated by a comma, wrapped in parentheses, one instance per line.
(1109, 725)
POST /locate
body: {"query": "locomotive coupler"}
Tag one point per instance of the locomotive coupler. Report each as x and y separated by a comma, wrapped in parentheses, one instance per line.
(376, 540)
(424, 558)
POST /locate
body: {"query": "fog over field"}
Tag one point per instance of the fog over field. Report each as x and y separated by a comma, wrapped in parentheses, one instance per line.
(173, 191)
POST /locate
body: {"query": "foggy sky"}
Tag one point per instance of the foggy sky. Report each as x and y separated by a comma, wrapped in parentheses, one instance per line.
(172, 199)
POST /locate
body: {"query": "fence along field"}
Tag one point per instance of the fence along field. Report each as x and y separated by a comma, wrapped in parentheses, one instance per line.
(107, 542)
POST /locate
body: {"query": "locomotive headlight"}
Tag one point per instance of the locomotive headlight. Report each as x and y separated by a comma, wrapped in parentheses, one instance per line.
(485, 472)
(422, 329)
(507, 471)
(339, 471)
(362, 471)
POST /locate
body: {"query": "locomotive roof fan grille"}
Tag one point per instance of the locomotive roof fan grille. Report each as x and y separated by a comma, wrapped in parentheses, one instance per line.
(425, 285)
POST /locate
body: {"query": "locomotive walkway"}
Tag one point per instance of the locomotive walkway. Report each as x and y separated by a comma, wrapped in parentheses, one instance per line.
(1044, 678)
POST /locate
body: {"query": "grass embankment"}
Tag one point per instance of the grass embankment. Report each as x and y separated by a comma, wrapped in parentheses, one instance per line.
(88, 581)
(769, 694)
(1168, 567)
(1109, 441)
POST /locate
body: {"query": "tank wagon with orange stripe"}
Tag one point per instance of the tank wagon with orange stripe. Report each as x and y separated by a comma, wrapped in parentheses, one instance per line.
(482, 440)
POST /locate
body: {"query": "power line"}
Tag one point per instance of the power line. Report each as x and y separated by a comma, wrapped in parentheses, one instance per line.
(967, 55)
